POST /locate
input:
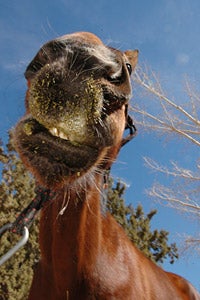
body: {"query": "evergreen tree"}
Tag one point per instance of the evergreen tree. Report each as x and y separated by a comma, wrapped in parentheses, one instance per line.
(17, 191)
(137, 226)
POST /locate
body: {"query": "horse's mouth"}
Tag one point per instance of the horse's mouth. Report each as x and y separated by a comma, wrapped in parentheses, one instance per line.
(30, 129)
(51, 153)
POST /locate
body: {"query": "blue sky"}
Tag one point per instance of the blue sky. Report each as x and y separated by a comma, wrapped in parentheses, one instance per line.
(167, 34)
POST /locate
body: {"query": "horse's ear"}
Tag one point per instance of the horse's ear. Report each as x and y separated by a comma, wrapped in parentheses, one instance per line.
(132, 56)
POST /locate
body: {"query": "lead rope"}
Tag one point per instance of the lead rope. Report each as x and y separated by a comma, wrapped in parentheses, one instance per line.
(25, 219)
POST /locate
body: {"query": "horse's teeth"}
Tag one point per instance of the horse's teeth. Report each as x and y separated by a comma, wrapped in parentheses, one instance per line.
(55, 132)
(62, 136)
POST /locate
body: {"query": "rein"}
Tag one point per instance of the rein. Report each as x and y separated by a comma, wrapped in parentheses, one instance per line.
(25, 219)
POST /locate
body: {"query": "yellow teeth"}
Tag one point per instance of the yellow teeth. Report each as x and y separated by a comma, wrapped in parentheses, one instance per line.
(56, 132)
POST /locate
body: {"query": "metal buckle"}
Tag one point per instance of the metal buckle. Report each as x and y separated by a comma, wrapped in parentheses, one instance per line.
(17, 246)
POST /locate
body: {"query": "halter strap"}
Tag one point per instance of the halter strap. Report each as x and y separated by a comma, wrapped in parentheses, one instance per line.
(130, 126)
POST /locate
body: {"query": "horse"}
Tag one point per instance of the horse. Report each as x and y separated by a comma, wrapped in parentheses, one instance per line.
(73, 128)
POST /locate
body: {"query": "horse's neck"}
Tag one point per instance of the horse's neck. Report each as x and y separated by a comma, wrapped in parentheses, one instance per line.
(86, 253)
(70, 228)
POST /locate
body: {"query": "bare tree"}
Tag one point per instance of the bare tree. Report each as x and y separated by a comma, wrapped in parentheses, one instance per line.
(171, 118)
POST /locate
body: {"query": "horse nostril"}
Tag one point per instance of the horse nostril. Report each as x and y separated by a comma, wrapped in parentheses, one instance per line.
(116, 74)
(116, 78)
(119, 76)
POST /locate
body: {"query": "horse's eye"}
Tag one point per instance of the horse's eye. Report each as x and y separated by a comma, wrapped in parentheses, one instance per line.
(129, 68)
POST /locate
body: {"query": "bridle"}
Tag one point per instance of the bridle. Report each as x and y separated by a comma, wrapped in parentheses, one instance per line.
(25, 219)
(129, 126)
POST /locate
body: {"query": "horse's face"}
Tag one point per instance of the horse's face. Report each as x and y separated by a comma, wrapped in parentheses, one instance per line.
(75, 107)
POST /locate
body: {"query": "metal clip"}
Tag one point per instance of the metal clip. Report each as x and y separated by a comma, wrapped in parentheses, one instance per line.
(17, 246)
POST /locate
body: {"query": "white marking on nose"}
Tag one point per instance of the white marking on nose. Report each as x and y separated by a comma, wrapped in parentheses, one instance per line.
(106, 57)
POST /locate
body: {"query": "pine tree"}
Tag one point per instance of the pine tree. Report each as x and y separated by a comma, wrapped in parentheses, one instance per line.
(137, 226)
(17, 191)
